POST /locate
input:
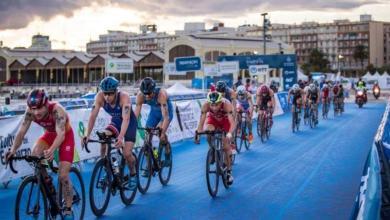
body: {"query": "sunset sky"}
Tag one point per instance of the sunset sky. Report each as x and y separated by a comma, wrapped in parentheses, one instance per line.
(72, 23)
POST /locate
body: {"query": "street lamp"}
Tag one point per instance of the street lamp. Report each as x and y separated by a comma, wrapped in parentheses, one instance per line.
(266, 26)
(339, 57)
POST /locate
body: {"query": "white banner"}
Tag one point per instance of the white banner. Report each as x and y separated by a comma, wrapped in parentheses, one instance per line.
(119, 65)
(189, 116)
(228, 67)
(170, 69)
(211, 70)
(258, 70)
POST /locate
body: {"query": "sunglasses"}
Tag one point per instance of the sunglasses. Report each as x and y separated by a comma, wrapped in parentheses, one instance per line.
(108, 93)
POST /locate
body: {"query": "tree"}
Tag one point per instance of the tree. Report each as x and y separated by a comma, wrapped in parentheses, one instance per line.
(360, 53)
(317, 62)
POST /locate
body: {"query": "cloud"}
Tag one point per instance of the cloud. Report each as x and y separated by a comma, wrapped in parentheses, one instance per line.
(15, 14)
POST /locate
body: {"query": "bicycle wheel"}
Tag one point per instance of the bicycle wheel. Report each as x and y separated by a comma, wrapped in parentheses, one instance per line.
(100, 187)
(244, 135)
(31, 200)
(311, 118)
(127, 191)
(78, 192)
(166, 166)
(259, 122)
(297, 120)
(145, 169)
(268, 127)
(223, 168)
(262, 129)
(212, 174)
(238, 136)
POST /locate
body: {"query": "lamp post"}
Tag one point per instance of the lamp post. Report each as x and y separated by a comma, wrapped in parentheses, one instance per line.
(339, 57)
(266, 25)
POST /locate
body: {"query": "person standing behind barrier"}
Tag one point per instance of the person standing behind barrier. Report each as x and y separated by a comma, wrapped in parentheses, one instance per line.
(161, 110)
(123, 123)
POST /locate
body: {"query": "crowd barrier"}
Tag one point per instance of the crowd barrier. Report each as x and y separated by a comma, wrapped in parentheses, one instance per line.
(373, 199)
(183, 126)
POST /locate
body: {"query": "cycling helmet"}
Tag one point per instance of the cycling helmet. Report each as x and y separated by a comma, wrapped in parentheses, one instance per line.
(147, 86)
(214, 97)
(264, 90)
(241, 90)
(109, 84)
(37, 98)
(325, 86)
(295, 87)
(221, 86)
(312, 87)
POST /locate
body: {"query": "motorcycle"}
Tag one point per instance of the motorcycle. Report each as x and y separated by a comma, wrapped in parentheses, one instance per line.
(376, 92)
(359, 99)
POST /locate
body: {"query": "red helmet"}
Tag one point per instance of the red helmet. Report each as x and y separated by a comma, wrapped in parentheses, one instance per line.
(37, 98)
(264, 89)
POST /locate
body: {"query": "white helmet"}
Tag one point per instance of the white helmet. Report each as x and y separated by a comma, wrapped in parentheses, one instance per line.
(241, 90)
(312, 87)
(295, 87)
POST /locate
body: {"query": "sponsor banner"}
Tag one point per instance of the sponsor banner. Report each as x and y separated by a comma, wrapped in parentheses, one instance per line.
(258, 70)
(211, 70)
(170, 69)
(189, 112)
(228, 67)
(119, 65)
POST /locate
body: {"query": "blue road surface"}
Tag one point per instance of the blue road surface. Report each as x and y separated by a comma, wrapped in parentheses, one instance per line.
(312, 174)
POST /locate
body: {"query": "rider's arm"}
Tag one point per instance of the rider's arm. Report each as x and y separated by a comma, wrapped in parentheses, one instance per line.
(94, 112)
(271, 93)
(234, 99)
(203, 115)
(126, 107)
(163, 100)
(250, 101)
(60, 118)
(229, 110)
(28, 118)
(138, 104)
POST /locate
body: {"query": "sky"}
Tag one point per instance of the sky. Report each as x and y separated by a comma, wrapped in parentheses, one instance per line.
(72, 23)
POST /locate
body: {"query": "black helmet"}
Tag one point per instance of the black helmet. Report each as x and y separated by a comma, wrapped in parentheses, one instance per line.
(147, 86)
(221, 86)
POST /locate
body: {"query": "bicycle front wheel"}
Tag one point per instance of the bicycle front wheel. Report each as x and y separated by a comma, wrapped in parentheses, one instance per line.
(166, 163)
(100, 187)
(31, 200)
(212, 173)
(145, 169)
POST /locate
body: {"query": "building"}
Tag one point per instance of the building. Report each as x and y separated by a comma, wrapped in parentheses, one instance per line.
(210, 47)
(126, 42)
(60, 67)
(337, 40)
(40, 43)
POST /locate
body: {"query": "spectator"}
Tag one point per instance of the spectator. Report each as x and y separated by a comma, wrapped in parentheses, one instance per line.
(238, 83)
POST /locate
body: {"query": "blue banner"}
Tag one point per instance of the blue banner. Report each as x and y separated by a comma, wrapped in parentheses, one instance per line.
(287, 62)
(368, 201)
(282, 96)
(185, 64)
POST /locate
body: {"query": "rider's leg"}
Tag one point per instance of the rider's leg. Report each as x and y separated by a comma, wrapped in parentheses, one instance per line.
(66, 184)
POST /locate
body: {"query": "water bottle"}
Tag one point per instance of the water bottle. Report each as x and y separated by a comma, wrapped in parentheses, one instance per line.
(115, 165)
(155, 152)
(243, 117)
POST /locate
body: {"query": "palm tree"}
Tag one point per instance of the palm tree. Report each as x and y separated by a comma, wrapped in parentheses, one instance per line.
(360, 54)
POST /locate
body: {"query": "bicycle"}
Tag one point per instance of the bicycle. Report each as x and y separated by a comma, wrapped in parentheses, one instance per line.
(336, 106)
(312, 116)
(215, 158)
(325, 109)
(264, 125)
(47, 203)
(109, 176)
(306, 114)
(151, 161)
(242, 131)
(296, 119)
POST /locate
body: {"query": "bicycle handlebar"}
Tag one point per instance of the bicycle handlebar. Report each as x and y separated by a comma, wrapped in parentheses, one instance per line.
(103, 139)
(30, 159)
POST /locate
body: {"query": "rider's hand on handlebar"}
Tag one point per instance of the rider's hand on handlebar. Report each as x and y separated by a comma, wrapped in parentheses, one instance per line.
(196, 137)
(119, 142)
(8, 155)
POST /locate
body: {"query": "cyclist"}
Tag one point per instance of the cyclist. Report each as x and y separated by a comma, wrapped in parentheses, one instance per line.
(306, 104)
(265, 100)
(298, 98)
(313, 97)
(123, 123)
(161, 110)
(325, 94)
(58, 134)
(341, 97)
(219, 114)
(245, 104)
(227, 92)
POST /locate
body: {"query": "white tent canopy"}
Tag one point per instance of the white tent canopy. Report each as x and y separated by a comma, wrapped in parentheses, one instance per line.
(301, 75)
(367, 76)
(180, 89)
